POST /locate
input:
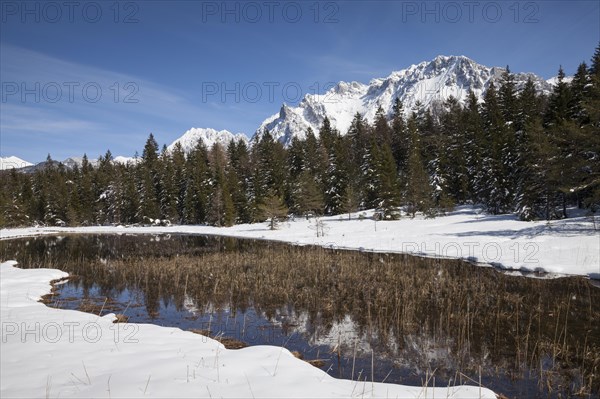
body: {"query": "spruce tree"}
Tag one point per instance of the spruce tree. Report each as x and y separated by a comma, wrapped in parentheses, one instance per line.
(389, 189)
(418, 193)
(179, 181)
(197, 185)
(381, 128)
(221, 210)
(507, 101)
(269, 172)
(579, 88)
(357, 143)
(400, 141)
(590, 193)
(86, 192)
(335, 178)
(450, 175)
(369, 177)
(307, 196)
(239, 175)
(497, 191)
(530, 163)
(168, 189)
(562, 148)
(475, 145)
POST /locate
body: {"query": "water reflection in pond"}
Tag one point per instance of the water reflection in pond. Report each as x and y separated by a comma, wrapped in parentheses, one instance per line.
(363, 315)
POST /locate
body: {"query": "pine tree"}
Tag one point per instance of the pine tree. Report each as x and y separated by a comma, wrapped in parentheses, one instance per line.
(507, 96)
(400, 141)
(221, 209)
(475, 145)
(148, 182)
(357, 144)
(389, 190)
(168, 190)
(103, 190)
(451, 172)
(582, 141)
(562, 147)
(239, 176)
(307, 196)
(530, 144)
(314, 158)
(498, 191)
(179, 181)
(295, 158)
(150, 153)
(86, 192)
(131, 203)
(579, 87)
(418, 194)
(381, 128)
(558, 105)
(269, 172)
(370, 182)
(197, 185)
(507, 101)
(579, 138)
(15, 199)
(590, 186)
(334, 176)
(595, 64)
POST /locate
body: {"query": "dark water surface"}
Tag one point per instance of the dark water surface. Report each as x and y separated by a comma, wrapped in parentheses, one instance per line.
(365, 316)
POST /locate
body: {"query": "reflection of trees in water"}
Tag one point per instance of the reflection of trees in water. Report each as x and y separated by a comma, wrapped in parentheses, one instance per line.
(426, 313)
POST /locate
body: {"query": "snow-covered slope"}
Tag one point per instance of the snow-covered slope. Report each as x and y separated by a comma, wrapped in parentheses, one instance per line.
(561, 247)
(13, 162)
(553, 81)
(210, 136)
(126, 160)
(78, 161)
(428, 82)
(72, 162)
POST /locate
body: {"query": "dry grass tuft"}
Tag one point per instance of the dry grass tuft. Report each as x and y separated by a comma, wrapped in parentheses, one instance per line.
(407, 306)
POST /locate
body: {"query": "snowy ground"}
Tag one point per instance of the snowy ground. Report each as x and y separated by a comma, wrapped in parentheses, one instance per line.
(561, 247)
(63, 353)
(55, 353)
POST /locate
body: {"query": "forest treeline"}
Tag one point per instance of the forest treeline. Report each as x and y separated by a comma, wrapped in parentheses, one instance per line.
(517, 151)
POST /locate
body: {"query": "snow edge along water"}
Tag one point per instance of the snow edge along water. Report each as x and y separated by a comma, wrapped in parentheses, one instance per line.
(67, 353)
(567, 247)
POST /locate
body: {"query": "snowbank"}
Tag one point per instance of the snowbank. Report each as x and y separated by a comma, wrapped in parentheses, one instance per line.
(54, 353)
(560, 247)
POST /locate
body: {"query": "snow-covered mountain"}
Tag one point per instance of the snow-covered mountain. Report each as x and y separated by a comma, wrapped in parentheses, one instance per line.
(210, 136)
(78, 161)
(72, 162)
(553, 81)
(126, 160)
(13, 162)
(429, 82)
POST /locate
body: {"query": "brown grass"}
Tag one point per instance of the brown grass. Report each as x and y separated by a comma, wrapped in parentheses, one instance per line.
(406, 305)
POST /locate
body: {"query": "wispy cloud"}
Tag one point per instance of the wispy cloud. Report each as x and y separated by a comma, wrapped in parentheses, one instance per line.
(44, 97)
(82, 81)
(29, 119)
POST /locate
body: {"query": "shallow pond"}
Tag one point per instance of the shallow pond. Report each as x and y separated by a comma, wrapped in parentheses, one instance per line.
(361, 315)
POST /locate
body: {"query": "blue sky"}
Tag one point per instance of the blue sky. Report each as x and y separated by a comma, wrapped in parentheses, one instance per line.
(84, 77)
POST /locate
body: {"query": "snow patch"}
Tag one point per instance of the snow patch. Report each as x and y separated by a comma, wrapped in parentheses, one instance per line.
(65, 353)
(13, 162)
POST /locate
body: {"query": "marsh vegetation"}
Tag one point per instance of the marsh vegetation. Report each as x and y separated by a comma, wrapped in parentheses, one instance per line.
(362, 315)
